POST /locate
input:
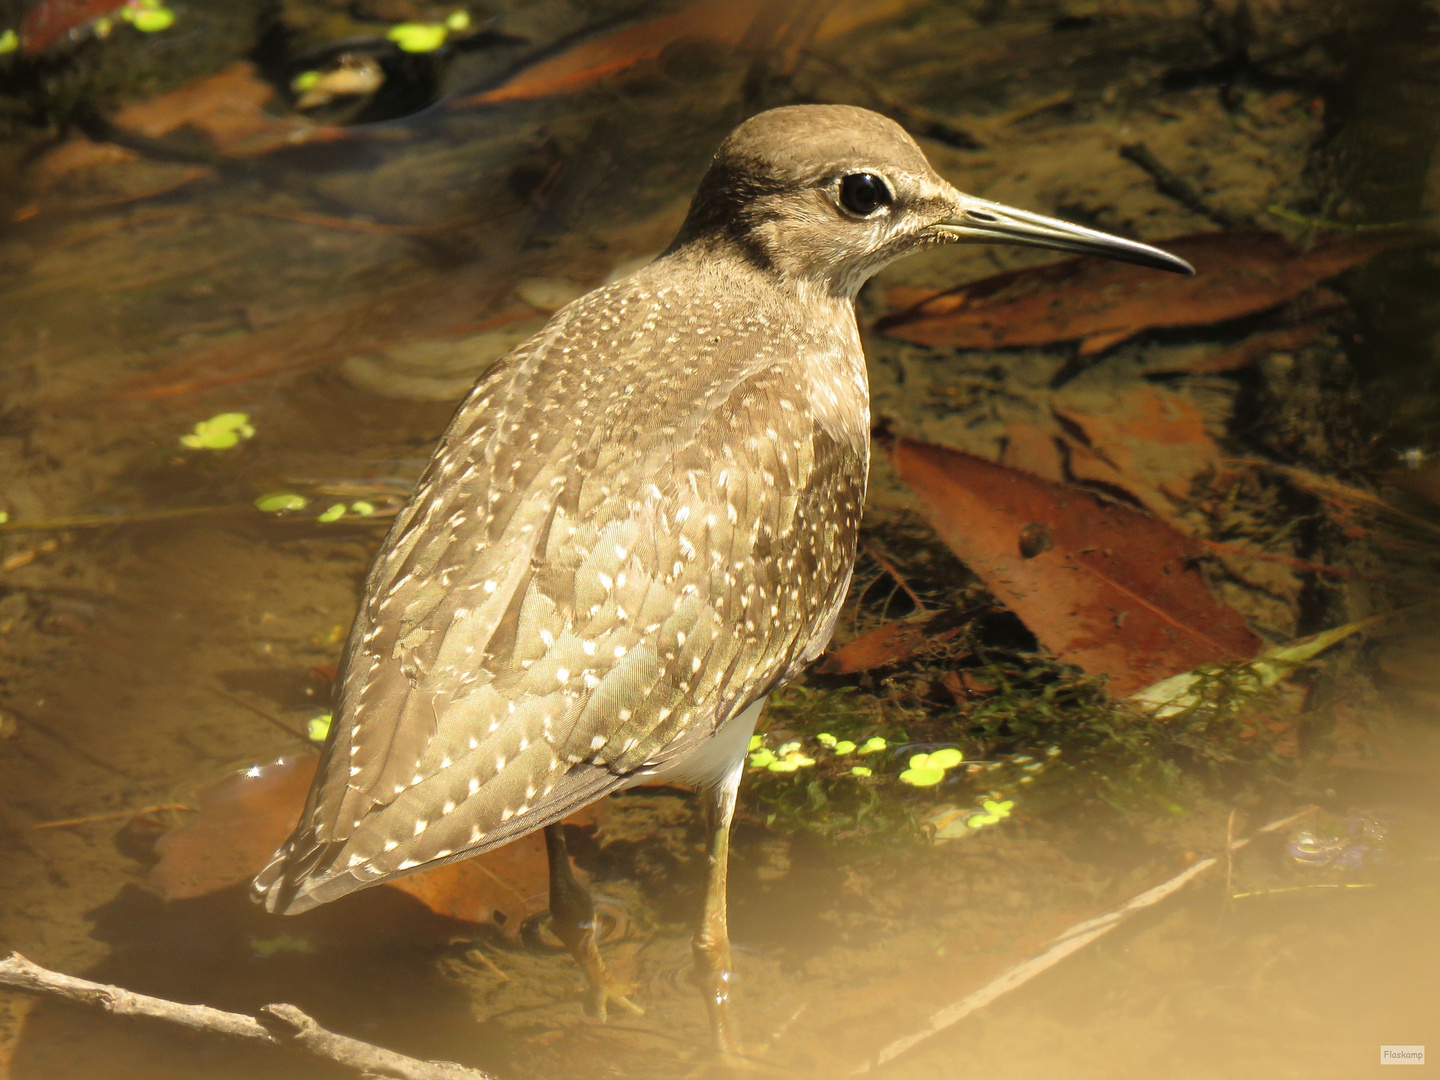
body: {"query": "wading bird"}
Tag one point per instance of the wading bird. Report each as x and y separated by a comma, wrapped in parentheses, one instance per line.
(639, 524)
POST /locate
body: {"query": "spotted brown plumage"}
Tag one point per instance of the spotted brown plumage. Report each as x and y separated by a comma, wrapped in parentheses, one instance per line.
(641, 522)
(607, 558)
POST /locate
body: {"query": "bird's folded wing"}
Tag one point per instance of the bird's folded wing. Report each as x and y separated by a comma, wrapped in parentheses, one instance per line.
(573, 594)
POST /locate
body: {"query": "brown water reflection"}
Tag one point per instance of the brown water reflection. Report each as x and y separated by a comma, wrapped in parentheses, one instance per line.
(342, 289)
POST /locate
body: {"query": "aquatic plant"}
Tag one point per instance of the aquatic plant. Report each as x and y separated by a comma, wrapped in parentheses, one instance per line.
(220, 432)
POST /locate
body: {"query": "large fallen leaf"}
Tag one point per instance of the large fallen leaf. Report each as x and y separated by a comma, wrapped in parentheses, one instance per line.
(246, 815)
(1102, 586)
(788, 24)
(228, 110)
(1102, 303)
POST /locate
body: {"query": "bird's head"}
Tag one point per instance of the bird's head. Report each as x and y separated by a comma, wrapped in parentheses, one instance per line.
(829, 194)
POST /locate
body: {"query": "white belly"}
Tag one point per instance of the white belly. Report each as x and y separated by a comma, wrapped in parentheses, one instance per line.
(712, 761)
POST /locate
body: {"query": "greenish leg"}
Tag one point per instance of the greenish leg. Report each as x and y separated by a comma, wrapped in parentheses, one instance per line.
(711, 945)
(572, 916)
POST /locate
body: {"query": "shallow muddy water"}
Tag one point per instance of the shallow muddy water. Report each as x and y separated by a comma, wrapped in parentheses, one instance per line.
(190, 237)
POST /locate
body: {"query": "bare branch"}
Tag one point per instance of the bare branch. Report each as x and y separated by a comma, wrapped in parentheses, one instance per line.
(283, 1025)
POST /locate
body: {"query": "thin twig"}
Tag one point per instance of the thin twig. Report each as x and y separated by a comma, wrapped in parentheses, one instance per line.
(282, 1025)
(100, 521)
(885, 564)
(1176, 186)
(1313, 567)
(479, 954)
(266, 715)
(114, 815)
(1071, 941)
(1330, 489)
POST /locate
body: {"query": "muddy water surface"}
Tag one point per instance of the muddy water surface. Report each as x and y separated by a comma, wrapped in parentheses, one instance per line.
(343, 285)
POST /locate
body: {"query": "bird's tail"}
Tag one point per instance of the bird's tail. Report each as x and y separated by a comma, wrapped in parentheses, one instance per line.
(280, 886)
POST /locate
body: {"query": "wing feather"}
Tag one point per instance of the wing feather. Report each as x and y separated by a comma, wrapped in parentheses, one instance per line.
(576, 592)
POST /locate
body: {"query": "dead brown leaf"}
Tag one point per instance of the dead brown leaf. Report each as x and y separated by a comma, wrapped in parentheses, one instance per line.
(756, 24)
(228, 110)
(894, 642)
(1102, 303)
(1242, 354)
(245, 816)
(50, 20)
(1117, 592)
(81, 175)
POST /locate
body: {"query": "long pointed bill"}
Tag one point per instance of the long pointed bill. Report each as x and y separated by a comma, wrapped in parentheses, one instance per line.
(979, 222)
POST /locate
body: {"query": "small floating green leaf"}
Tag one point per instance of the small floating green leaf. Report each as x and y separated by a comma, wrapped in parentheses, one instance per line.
(874, 745)
(152, 20)
(458, 20)
(756, 741)
(306, 80)
(317, 728)
(363, 508)
(922, 776)
(335, 513)
(859, 770)
(220, 432)
(9, 41)
(826, 739)
(844, 746)
(276, 502)
(418, 37)
(946, 759)
(761, 758)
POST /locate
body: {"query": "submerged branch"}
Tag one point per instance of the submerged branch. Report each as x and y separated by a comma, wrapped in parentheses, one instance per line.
(281, 1025)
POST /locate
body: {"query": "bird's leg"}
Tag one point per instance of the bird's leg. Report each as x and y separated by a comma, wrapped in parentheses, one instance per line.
(572, 916)
(712, 940)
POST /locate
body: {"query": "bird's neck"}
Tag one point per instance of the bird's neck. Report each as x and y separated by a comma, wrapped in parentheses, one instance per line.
(814, 318)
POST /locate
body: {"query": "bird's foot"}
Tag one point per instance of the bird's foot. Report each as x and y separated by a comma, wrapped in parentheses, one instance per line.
(606, 990)
(602, 987)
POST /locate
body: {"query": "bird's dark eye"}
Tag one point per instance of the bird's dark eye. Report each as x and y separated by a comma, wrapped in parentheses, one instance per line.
(864, 193)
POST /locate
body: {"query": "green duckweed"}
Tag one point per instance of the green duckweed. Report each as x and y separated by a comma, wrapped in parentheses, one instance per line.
(220, 432)
(927, 770)
(873, 745)
(363, 508)
(418, 37)
(276, 502)
(334, 513)
(148, 16)
(317, 728)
